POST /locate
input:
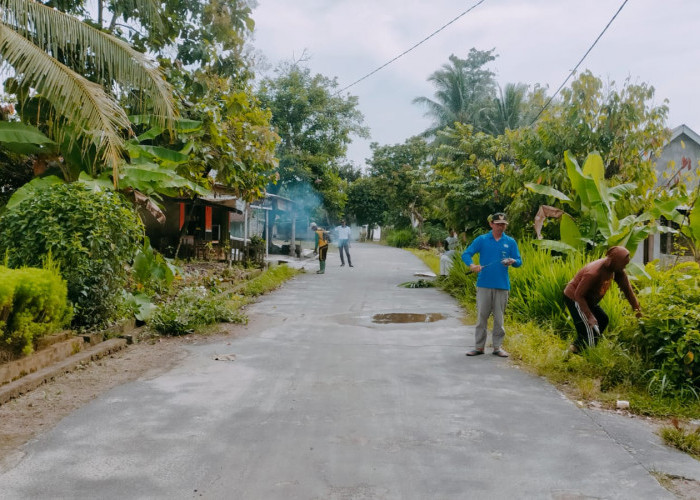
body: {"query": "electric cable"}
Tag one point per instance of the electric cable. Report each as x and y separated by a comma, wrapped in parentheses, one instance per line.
(578, 64)
(409, 50)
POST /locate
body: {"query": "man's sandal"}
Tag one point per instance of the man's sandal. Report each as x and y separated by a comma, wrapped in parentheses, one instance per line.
(500, 353)
(475, 352)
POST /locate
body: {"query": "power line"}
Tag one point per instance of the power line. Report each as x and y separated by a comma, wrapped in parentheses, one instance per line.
(409, 50)
(577, 65)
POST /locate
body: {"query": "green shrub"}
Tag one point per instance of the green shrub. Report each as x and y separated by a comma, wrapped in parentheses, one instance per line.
(433, 235)
(401, 238)
(91, 236)
(33, 303)
(668, 336)
(151, 271)
(192, 309)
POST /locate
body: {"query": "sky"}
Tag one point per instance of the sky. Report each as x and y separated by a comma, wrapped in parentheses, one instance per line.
(537, 42)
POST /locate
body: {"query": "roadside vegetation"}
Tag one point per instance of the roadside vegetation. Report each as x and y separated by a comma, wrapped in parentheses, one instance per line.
(93, 138)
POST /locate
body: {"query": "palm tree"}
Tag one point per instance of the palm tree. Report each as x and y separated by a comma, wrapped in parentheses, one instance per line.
(507, 111)
(463, 90)
(50, 52)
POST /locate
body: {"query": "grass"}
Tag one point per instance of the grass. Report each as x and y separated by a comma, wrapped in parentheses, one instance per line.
(430, 257)
(687, 440)
(269, 280)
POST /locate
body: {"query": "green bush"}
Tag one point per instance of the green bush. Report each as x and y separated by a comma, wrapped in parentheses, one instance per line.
(151, 271)
(192, 309)
(92, 237)
(433, 235)
(33, 303)
(668, 335)
(401, 238)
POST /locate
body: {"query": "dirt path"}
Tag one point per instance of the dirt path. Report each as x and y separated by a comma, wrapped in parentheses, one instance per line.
(41, 409)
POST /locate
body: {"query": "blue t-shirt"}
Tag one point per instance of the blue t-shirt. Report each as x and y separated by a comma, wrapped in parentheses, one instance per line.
(491, 253)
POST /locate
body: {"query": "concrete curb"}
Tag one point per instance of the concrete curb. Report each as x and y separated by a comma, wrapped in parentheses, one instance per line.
(34, 380)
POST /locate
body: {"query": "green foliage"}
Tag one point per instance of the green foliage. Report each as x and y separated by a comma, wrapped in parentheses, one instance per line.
(401, 238)
(91, 236)
(669, 333)
(618, 123)
(68, 78)
(596, 203)
(33, 303)
(192, 309)
(151, 271)
(463, 89)
(268, 280)
(433, 234)
(398, 174)
(417, 284)
(366, 201)
(316, 126)
(468, 176)
(686, 440)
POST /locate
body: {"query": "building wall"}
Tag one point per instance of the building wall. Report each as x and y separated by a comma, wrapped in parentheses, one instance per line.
(679, 158)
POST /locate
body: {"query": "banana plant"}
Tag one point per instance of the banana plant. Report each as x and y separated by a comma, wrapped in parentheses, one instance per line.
(595, 202)
(150, 174)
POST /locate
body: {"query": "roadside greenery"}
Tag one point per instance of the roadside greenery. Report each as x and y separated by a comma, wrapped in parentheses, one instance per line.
(91, 237)
(32, 304)
(214, 300)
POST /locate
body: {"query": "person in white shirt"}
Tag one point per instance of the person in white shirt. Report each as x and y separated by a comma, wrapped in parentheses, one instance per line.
(450, 244)
(344, 242)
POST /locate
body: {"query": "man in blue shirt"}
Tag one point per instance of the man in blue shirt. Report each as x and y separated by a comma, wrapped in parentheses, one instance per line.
(497, 252)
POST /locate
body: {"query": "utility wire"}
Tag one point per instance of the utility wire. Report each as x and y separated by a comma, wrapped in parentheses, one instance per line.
(578, 64)
(409, 50)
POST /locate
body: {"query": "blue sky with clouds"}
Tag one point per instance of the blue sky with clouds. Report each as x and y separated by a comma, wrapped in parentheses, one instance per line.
(537, 41)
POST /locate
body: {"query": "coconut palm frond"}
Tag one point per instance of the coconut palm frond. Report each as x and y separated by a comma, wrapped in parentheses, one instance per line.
(56, 32)
(98, 114)
(149, 11)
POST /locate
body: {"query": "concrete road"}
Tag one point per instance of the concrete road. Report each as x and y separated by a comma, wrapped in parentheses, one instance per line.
(322, 402)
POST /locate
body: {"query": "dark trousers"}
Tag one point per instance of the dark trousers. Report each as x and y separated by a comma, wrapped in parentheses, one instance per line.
(346, 245)
(585, 335)
(322, 252)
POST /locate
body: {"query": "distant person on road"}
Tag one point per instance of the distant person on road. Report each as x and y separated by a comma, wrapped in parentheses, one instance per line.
(321, 241)
(344, 234)
(583, 293)
(450, 245)
(497, 253)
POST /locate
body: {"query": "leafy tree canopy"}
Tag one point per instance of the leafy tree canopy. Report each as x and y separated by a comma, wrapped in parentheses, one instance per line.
(315, 125)
(623, 126)
(463, 89)
(400, 172)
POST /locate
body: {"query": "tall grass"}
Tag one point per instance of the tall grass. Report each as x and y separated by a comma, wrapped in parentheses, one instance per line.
(429, 257)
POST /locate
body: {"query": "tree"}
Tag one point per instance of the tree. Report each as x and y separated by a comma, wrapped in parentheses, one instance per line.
(315, 125)
(467, 177)
(623, 126)
(464, 88)
(399, 171)
(51, 53)
(513, 108)
(366, 201)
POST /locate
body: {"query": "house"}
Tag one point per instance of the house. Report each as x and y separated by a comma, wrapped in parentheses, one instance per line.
(222, 226)
(677, 163)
